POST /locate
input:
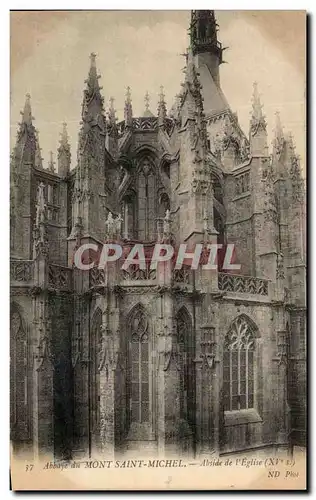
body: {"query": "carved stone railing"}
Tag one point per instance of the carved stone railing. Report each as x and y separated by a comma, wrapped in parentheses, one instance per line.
(59, 277)
(21, 270)
(97, 277)
(134, 273)
(146, 123)
(242, 284)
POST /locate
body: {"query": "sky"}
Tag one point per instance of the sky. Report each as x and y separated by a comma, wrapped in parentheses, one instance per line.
(50, 60)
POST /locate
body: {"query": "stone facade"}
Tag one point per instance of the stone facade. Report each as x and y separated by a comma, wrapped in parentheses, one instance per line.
(159, 361)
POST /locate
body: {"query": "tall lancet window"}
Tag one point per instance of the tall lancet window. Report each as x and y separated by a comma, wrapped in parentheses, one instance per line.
(146, 201)
(139, 356)
(128, 216)
(186, 351)
(239, 366)
(19, 377)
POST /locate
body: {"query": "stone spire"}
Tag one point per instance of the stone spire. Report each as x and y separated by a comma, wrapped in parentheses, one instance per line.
(162, 110)
(203, 40)
(64, 137)
(258, 126)
(147, 112)
(192, 93)
(92, 105)
(294, 168)
(203, 32)
(278, 141)
(23, 159)
(40, 240)
(27, 112)
(112, 136)
(128, 110)
(111, 113)
(257, 121)
(26, 142)
(192, 82)
(91, 156)
(51, 163)
(63, 153)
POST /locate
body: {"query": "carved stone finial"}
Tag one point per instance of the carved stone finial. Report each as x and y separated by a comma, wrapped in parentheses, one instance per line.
(51, 163)
(147, 99)
(257, 121)
(111, 113)
(92, 59)
(147, 112)
(279, 141)
(64, 136)
(27, 112)
(128, 110)
(162, 110)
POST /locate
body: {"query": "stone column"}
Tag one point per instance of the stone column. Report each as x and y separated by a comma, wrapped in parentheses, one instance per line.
(43, 380)
(168, 381)
(109, 363)
(281, 360)
(283, 410)
(206, 395)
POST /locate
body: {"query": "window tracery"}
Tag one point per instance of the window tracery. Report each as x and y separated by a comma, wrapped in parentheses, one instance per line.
(139, 359)
(239, 366)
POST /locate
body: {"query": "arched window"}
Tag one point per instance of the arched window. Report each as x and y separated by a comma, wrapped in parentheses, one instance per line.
(146, 201)
(128, 216)
(139, 357)
(19, 377)
(239, 366)
(94, 386)
(186, 351)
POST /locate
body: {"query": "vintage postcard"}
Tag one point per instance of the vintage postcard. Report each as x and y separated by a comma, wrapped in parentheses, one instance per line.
(157, 250)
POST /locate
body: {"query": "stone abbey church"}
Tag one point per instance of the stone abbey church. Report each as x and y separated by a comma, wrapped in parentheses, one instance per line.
(106, 362)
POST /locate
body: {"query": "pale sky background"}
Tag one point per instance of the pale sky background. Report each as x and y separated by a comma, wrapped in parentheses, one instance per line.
(50, 60)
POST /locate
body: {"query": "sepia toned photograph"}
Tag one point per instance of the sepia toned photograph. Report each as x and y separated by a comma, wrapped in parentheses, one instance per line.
(158, 250)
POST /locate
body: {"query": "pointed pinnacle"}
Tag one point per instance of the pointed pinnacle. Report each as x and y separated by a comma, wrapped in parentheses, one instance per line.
(92, 60)
(51, 162)
(64, 135)
(93, 77)
(256, 104)
(162, 111)
(161, 95)
(290, 140)
(128, 95)
(112, 111)
(128, 111)
(278, 126)
(27, 112)
(147, 99)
